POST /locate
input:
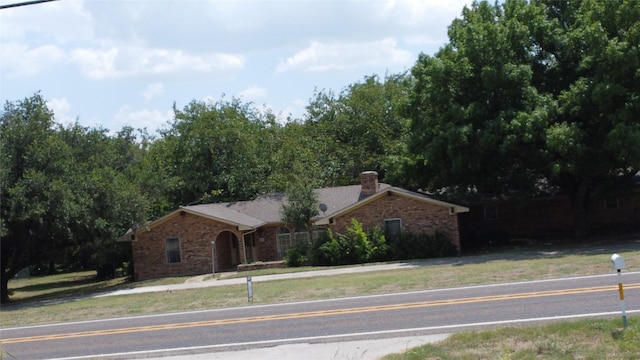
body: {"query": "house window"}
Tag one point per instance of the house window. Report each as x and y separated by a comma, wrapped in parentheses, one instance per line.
(490, 212)
(172, 247)
(611, 202)
(392, 229)
(287, 240)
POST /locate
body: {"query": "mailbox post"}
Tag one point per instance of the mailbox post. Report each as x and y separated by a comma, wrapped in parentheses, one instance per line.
(618, 263)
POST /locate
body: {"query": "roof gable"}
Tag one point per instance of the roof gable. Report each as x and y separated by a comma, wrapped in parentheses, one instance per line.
(453, 208)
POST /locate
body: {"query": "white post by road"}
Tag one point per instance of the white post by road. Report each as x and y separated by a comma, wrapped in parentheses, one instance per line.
(250, 289)
(618, 263)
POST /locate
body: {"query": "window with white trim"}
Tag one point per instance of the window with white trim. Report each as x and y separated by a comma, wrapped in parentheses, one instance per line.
(172, 248)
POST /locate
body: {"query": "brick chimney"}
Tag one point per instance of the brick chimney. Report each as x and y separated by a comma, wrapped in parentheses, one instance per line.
(369, 183)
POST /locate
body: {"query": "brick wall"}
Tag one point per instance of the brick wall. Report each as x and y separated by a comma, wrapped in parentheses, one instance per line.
(266, 244)
(417, 216)
(195, 235)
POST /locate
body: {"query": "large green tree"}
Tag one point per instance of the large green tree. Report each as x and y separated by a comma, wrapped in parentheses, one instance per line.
(37, 202)
(360, 129)
(67, 193)
(110, 193)
(294, 156)
(530, 93)
(214, 152)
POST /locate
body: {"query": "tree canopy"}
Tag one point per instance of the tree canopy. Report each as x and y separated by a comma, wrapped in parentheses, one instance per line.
(360, 129)
(529, 93)
(67, 192)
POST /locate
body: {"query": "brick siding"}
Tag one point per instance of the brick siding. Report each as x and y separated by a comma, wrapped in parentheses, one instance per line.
(195, 234)
(416, 216)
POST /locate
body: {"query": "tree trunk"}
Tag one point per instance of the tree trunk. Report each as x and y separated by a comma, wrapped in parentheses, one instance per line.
(4, 289)
(579, 205)
(310, 233)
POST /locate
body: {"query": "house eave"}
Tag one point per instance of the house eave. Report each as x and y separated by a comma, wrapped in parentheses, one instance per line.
(323, 221)
(181, 212)
(454, 209)
(239, 226)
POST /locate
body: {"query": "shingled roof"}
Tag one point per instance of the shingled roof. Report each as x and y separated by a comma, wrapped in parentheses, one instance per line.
(267, 209)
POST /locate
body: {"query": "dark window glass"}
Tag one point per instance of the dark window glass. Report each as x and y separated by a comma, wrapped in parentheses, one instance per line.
(172, 246)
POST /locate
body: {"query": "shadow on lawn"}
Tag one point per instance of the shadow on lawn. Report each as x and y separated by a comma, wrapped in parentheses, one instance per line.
(74, 282)
(75, 288)
(517, 250)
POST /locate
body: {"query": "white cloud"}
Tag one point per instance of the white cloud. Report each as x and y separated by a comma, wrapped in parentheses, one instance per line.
(95, 64)
(61, 110)
(140, 119)
(59, 21)
(417, 12)
(153, 90)
(126, 62)
(341, 56)
(253, 93)
(19, 60)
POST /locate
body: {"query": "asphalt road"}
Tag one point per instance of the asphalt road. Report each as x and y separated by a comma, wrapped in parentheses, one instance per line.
(407, 315)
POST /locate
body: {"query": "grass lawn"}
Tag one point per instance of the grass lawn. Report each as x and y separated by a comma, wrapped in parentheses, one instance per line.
(595, 339)
(66, 297)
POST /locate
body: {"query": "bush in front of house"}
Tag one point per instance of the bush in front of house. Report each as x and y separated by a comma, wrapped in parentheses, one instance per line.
(359, 246)
(380, 249)
(297, 255)
(410, 246)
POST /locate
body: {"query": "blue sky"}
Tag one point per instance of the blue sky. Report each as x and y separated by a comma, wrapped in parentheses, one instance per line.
(112, 63)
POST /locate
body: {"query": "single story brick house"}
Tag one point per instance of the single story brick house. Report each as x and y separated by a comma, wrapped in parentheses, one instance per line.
(199, 239)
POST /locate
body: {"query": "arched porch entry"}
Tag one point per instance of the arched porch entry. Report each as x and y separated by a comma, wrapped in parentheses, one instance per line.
(227, 251)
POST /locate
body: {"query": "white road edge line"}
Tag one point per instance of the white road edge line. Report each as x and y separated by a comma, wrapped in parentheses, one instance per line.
(341, 336)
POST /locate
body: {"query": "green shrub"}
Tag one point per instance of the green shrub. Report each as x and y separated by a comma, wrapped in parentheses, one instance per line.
(380, 249)
(339, 249)
(359, 246)
(355, 247)
(297, 255)
(422, 246)
(441, 246)
(316, 255)
(358, 242)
